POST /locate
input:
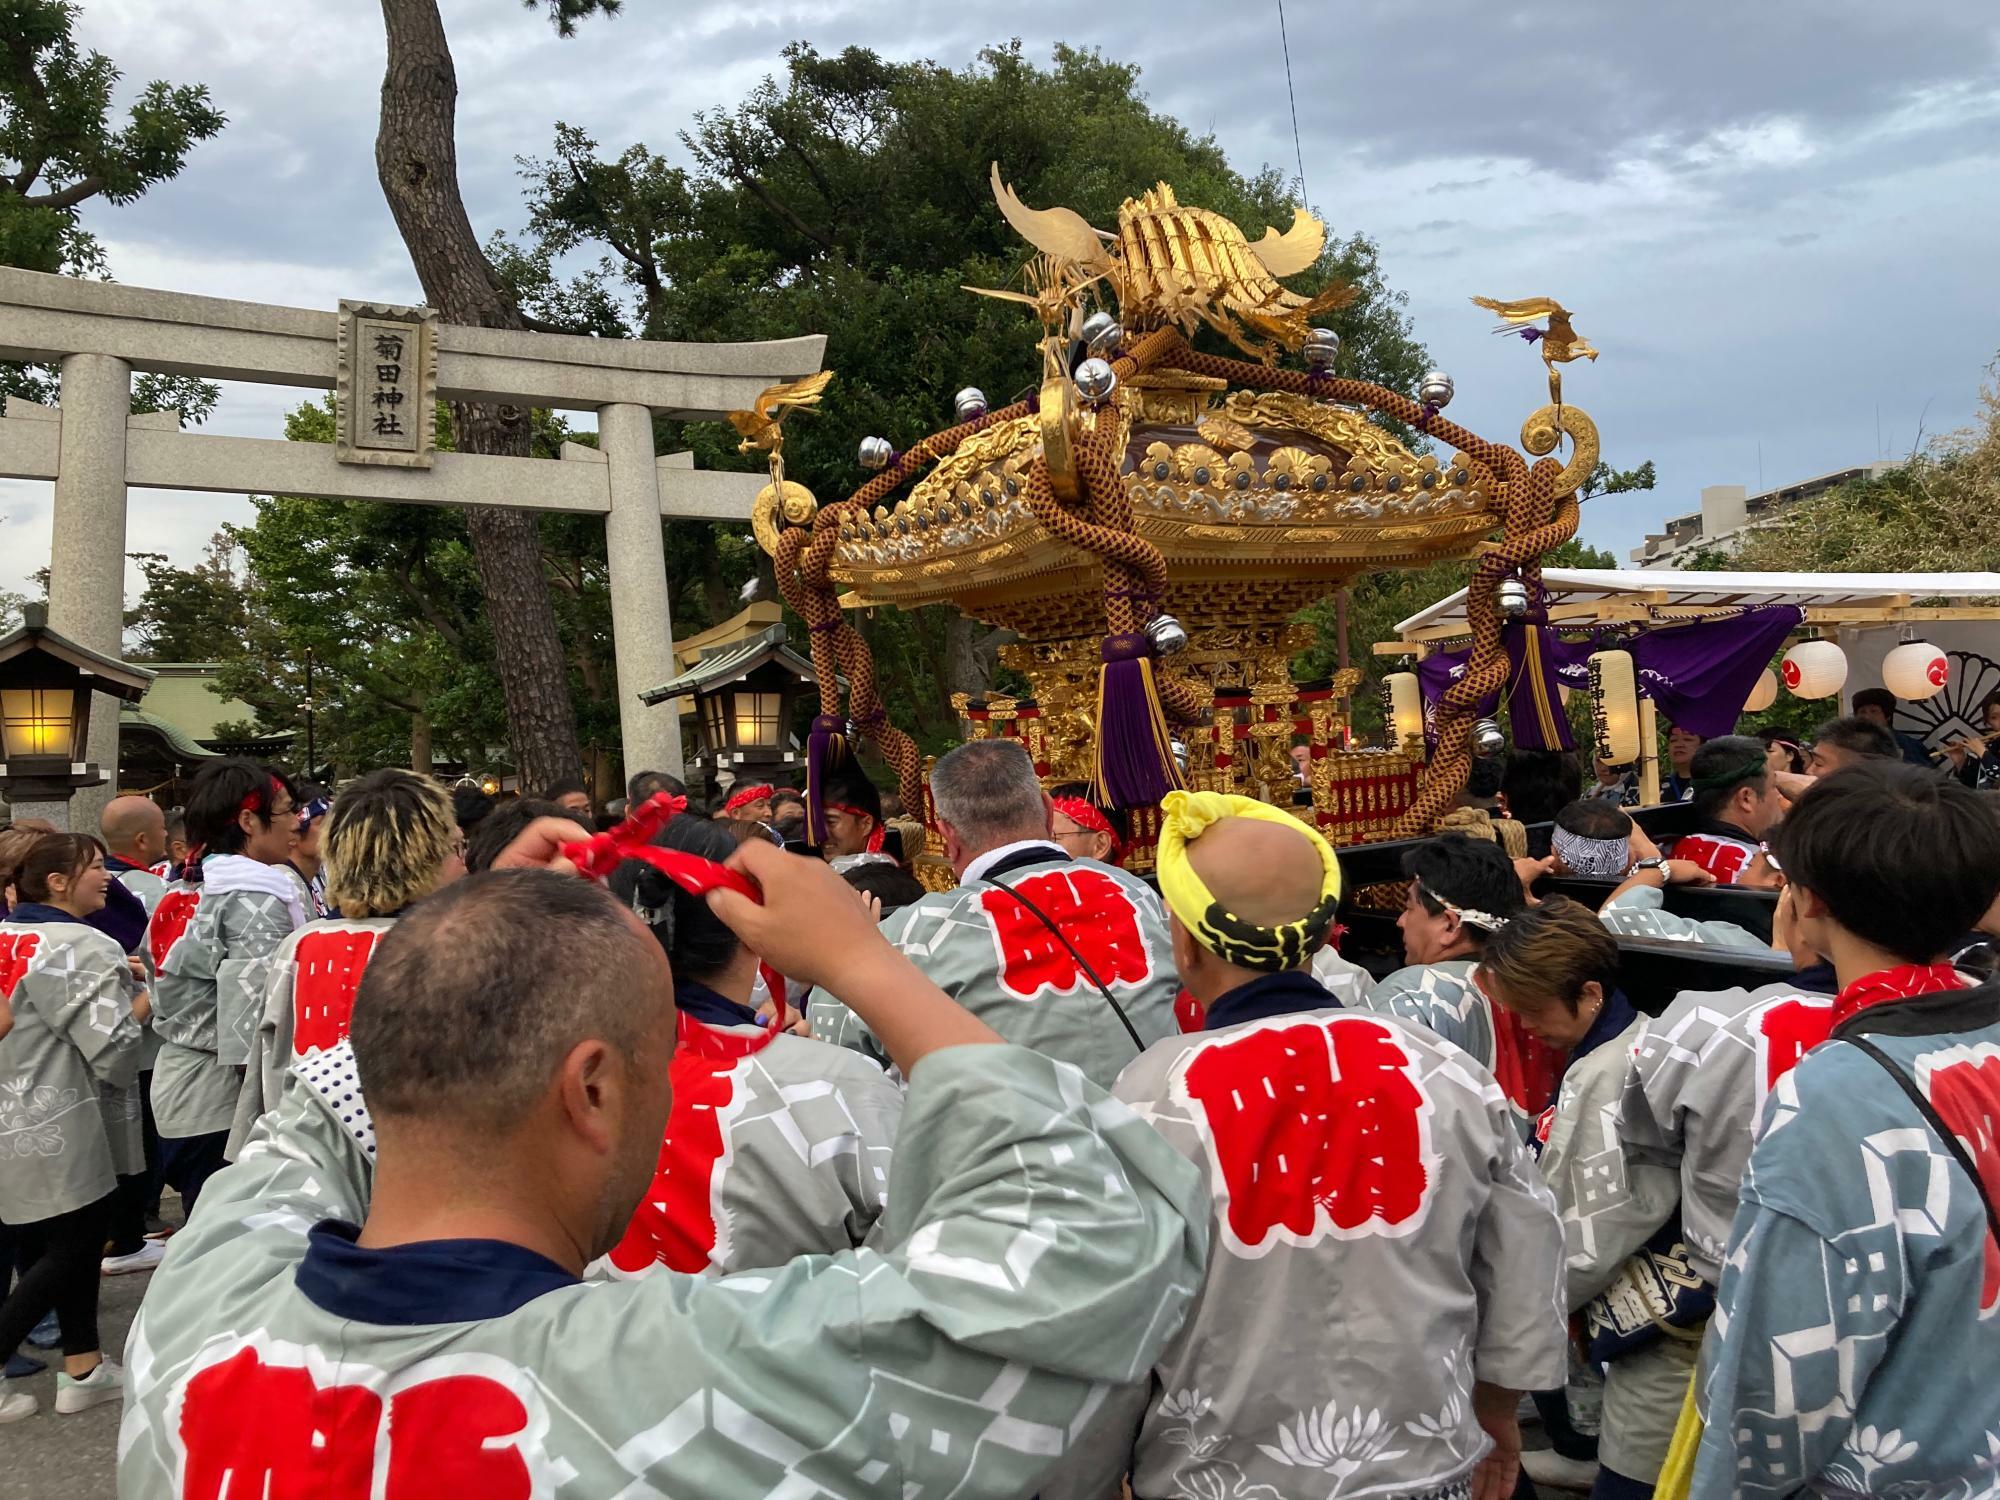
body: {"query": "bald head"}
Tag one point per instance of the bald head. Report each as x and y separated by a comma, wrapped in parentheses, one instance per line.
(1265, 873)
(135, 829)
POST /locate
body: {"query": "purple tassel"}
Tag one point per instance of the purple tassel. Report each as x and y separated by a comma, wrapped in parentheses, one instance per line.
(1135, 757)
(826, 747)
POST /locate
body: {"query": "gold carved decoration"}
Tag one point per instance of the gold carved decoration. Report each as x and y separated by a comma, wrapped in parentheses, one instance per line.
(1541, 432)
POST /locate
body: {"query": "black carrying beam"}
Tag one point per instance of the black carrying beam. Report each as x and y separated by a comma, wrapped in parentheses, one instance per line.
(1748, 909)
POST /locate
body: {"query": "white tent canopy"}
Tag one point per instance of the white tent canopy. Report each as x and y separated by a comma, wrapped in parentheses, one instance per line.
(1590, 595)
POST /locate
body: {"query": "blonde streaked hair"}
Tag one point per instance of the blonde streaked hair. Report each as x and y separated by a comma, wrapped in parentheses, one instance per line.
(386, 839)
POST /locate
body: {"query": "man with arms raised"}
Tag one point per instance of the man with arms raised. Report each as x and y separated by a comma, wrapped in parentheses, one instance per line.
(383, 1296)
(1066, 956)
(1385, 1266)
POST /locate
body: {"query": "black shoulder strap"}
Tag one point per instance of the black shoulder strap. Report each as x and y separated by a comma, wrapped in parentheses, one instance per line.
(1081, 963)
(1936, 1122)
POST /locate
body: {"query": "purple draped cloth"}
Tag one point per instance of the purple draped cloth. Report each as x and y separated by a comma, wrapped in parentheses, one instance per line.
(1699, 674)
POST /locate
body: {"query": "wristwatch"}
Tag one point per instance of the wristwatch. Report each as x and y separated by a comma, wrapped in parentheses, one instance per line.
(1657, 862)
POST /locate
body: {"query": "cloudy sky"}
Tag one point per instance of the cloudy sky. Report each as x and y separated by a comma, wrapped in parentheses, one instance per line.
(1776, 221)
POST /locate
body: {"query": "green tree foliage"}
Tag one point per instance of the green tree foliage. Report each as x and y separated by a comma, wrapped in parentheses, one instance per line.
(850, 197)
(60, 148)
(1933, 514)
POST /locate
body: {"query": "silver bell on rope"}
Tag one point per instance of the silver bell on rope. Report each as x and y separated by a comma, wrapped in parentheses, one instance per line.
(1102, 333)
(970, 404)
(1322, 350)
(1488, 738)
(875, 453)
(1095, 381)
(1435, 389)
(1167, 634)
(1513, 599)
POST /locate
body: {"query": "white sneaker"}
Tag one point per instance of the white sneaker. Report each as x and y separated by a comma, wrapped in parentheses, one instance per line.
(18, 1408)
(105, 1383)
(1546, 1466)
(147, 1256)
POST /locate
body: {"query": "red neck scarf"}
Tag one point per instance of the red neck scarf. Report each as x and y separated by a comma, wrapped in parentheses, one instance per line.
(1885, 986)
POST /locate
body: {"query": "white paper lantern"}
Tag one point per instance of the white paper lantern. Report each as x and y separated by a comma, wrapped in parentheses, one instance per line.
(1402, 708)
(1815, 669)
(1764, 694)
(1915, 670)
(1614, 707)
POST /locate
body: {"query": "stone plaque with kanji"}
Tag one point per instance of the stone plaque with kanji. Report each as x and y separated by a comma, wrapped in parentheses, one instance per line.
(387, 384)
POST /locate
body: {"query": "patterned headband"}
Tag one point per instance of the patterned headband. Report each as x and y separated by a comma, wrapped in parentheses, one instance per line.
(748, 795)
(1585, 856)
(1469, 916)
(1186, 816)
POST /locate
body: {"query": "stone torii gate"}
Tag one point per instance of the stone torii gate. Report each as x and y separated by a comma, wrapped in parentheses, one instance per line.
(93, 448)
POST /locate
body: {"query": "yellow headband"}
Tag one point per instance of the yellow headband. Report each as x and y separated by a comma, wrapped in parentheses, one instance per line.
(1187, 816)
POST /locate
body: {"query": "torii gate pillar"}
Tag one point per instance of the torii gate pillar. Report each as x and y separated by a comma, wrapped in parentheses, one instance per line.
(641, 615)
(87, 548)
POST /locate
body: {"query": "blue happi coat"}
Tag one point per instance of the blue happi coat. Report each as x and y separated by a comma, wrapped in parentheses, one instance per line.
(1856, 1345)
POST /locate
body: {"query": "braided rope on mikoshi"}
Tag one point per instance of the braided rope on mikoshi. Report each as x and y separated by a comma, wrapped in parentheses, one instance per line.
(804, 567)
(1532, 523)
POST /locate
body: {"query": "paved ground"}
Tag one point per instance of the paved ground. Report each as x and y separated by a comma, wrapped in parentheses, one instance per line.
(73, 1458)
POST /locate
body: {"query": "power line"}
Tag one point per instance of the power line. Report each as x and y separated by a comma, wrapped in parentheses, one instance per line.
(1286, 43)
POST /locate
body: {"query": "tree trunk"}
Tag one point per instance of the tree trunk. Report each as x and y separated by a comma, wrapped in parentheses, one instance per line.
(420, 743)
(972, 654)
(416, 158)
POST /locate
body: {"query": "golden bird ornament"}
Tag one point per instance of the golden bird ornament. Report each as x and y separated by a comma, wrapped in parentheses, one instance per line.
(763, 426)
(1559, 342)
(1172, 264)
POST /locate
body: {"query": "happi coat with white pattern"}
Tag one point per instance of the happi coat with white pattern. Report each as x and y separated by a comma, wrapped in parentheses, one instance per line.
(1446, 1000)
(1045, 1244)
(990, 954)
(1856, 1348)
(777, 1147)
(69, 1102)
(1625, 1263)
(308, 1004)
(1380, 1240)
(1696, 1083)
(212, 952)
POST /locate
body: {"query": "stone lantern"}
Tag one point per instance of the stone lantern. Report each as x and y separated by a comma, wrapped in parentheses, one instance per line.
(47, 682)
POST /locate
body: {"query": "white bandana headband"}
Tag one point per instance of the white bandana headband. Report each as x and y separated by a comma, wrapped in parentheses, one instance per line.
(1470, 916)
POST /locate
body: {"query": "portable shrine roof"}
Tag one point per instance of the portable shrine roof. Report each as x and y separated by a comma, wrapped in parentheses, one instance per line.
(1589, 596)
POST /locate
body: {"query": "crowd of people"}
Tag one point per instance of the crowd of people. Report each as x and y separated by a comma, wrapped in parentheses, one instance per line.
(659, 1150)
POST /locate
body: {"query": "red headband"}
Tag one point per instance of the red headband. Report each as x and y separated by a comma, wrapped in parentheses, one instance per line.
(249, 803)
(596, 857)
(876, 838)
(748, 795)
(1091, 818)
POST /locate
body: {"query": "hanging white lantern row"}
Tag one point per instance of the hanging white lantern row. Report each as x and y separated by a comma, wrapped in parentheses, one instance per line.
(1915, 670)
(1764, 694)
(1402, 708)
(1815, 669)
(1614, 706)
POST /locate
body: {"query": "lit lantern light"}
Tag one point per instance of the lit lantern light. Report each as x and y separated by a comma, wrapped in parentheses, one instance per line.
(1814, 669)
(1402, 708)
(1764, 694)
(1915, 670)
(1614, 706)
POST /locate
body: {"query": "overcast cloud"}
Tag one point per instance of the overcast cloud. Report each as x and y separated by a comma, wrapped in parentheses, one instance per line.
(1776, 221)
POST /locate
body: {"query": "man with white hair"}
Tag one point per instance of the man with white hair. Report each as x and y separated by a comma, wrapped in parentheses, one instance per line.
(1069, 957)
